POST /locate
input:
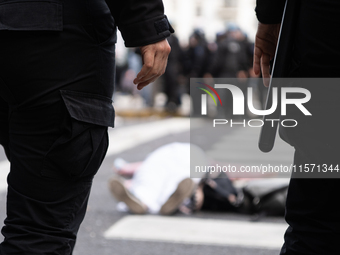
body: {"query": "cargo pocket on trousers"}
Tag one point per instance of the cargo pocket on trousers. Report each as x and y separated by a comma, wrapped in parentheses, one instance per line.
(81, 148)
(31, 16)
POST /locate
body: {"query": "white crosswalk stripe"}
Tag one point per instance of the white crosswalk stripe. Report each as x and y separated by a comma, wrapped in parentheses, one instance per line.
(198, 231)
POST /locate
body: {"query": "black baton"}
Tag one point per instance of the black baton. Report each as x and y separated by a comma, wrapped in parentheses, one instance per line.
(280, 69)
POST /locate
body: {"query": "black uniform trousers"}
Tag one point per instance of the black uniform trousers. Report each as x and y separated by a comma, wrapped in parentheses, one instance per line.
(56, 85)
(312, 210)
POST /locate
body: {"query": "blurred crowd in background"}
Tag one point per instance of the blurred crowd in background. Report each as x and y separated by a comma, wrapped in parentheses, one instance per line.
(230, 55)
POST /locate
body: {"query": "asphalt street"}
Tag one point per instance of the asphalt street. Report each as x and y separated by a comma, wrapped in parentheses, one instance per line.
(106, 230)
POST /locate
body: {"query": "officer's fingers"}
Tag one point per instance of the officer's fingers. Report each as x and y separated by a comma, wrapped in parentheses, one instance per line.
(159, 52)
(257, 60)
(148, 64)
(161, 60)
(158, 69)
(266, 38)
(150, 77)
(162, 50)
(265, 66)
(145, 83)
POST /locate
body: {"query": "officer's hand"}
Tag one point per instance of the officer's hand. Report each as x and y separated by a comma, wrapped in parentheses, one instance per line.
(265, 46)
(155, 58)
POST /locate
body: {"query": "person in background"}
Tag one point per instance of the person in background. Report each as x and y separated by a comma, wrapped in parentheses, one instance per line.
(230, 61)
(197, 54)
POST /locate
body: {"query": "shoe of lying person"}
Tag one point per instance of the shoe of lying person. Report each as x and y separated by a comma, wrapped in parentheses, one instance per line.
(184, 190)
(120, 192)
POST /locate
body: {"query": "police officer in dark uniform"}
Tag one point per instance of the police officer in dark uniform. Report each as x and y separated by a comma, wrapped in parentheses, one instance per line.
(311, 209)
(56, 84)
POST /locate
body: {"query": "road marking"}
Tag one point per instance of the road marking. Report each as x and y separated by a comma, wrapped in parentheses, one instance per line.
(125, 138)
(198, 231)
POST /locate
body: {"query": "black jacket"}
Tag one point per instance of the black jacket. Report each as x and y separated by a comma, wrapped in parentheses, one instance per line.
(269, 11)
(140, 22)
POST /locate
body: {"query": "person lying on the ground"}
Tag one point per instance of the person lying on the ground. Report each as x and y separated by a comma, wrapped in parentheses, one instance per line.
(162, 182)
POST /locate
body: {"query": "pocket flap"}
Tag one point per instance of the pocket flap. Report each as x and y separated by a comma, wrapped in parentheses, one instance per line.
(90, 108)
(31, 16)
